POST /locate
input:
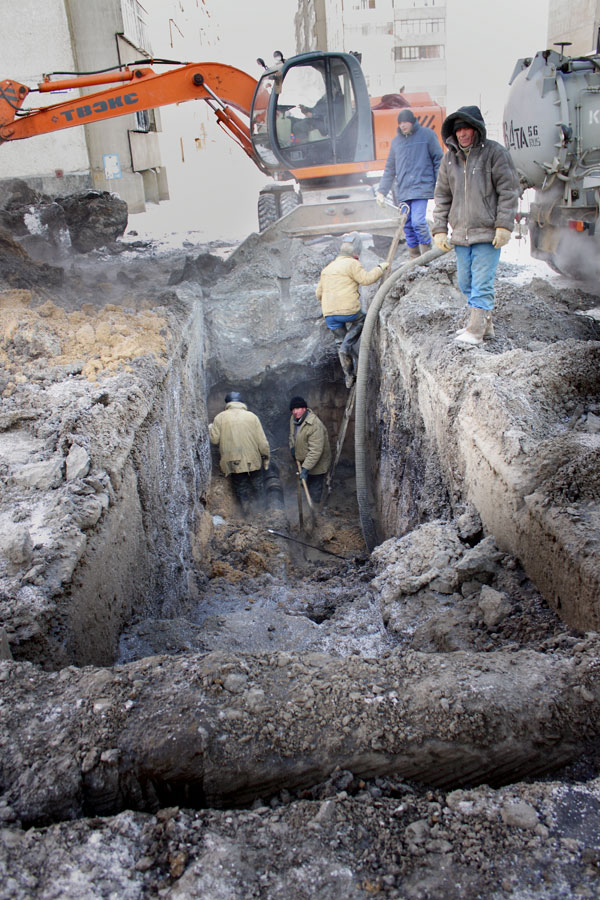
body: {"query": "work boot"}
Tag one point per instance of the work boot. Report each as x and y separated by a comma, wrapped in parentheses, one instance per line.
(347, 363)
(489, 332)
(423, 248)
(475, 330)
(414, 252)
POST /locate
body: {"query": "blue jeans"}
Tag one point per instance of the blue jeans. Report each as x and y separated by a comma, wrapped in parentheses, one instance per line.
(476, 269)
(416, 229)
(335, 322)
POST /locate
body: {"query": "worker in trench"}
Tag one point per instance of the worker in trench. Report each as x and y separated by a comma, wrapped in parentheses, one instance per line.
(309, 446)
(339, 292)
(476, 193)
(411, 171)
(244, 450)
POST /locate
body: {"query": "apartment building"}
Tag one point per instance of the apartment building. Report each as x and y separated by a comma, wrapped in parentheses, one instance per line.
(402, 44)
(123, 154)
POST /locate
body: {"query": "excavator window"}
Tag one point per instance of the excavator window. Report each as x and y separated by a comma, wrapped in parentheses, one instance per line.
(312, 106)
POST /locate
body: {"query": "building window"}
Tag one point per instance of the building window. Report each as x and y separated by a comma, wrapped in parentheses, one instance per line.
(142, 120)
(367, 4)
(420, 26)
(433, 51)
(355, 32)
(134, 24)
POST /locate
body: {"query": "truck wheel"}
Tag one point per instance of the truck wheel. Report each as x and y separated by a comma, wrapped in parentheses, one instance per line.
(267, 210)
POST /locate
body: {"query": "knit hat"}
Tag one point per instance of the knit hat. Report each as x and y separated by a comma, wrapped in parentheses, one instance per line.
(458, 124)
(233, 396)
(406, 115)
(298, 403)
(351, 244)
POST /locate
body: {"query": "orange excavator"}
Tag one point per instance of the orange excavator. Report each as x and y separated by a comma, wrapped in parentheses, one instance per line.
(308, 123)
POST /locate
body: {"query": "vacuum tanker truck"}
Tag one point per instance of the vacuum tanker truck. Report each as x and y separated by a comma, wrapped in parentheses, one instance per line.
(552, 130)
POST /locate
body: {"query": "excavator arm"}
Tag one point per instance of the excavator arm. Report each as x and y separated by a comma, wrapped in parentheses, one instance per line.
(221, 86)
(308, 120)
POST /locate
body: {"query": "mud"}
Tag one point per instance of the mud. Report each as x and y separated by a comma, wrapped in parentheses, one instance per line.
(205, 705)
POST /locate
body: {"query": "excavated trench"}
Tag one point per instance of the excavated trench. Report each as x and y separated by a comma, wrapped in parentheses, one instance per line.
(169, 651)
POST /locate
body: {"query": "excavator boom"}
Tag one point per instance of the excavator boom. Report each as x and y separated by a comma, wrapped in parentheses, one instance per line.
(143, 88)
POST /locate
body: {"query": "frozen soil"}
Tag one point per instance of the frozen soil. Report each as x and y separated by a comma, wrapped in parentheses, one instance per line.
(346, 838)
(282, 648)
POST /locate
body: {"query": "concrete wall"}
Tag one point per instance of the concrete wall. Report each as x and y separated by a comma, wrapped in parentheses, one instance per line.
(95, 28)
(25, 58)
(577, 21)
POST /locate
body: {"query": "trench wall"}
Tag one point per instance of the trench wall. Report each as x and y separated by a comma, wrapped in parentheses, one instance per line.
(139, 560)
(452, 426)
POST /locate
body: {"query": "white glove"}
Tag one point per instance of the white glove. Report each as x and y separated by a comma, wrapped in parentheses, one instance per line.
(501, 237)
(441, 241)
(384, 265)
(380, 198)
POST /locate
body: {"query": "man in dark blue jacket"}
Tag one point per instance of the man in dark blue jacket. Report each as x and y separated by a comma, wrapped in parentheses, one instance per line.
(411, 170)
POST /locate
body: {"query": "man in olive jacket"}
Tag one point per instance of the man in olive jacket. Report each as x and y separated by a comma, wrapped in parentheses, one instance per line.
(243, 447)
(476, 193)
(309, 446)
(339, 292)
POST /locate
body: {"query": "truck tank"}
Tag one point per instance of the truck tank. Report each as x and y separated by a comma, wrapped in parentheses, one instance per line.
(552, 130)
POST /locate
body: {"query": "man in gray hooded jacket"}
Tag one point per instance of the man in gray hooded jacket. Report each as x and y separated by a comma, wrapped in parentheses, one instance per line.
(476, 193)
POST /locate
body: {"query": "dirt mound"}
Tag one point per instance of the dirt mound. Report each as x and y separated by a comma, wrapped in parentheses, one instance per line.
(89, 341)
(94, 219)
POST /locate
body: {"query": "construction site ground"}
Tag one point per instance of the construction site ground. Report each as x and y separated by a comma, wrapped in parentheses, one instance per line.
(197, 703)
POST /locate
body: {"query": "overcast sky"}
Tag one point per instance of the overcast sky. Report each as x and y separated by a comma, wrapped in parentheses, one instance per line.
(252, 28)
(485, 39)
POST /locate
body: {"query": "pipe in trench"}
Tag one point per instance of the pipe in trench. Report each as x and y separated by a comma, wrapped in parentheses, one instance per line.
(367, 523)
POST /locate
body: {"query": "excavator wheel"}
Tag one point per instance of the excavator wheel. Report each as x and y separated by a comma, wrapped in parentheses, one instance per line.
(288, 200)
(275, 202)
(267, 210)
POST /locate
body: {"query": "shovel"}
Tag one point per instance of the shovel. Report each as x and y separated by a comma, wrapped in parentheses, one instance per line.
(300, 514)
(308, 497)
(404, 210)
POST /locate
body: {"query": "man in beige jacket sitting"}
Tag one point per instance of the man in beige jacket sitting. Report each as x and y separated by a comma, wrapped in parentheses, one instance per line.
(339, 292)
(243, 447)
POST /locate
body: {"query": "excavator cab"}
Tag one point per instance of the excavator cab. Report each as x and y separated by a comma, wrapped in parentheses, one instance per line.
(312, 112)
